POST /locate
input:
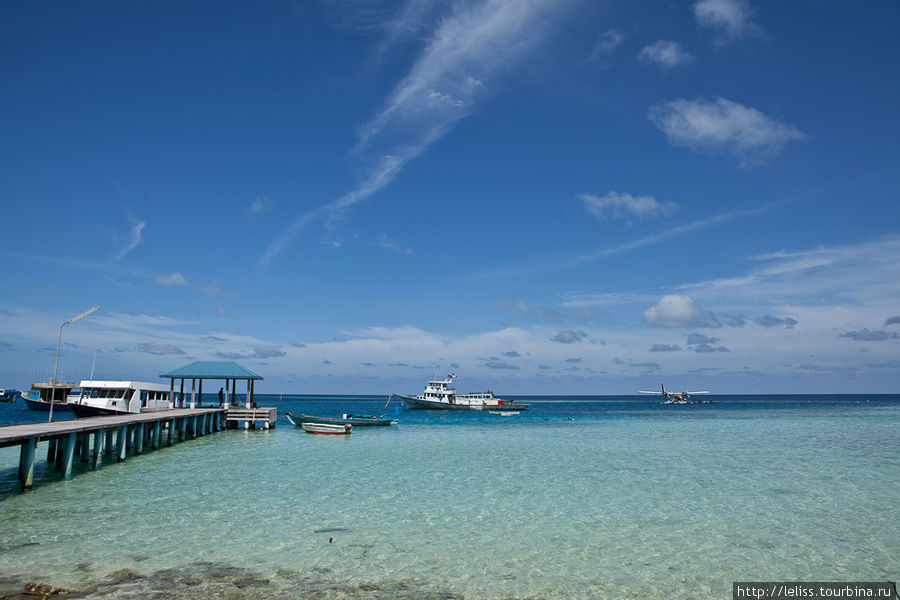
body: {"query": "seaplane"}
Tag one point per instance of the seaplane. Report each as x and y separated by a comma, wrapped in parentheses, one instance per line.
(675, 398)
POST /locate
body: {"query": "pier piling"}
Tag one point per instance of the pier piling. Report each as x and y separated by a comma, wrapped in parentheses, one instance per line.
(92, 438)
(26, 463)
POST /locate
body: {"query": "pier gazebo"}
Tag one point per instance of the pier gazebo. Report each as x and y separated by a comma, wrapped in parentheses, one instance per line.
(223, 370)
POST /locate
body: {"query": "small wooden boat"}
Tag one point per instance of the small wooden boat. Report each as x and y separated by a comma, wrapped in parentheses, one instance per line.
(327, 428)
(8, 395)
(346, 419)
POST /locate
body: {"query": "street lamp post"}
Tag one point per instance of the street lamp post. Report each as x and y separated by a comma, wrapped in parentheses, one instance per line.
(56, 366)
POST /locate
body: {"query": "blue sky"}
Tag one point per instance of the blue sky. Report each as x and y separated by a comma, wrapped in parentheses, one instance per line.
(545, 197)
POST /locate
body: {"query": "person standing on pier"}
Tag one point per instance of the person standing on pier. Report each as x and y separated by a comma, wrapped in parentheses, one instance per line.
(221, 397)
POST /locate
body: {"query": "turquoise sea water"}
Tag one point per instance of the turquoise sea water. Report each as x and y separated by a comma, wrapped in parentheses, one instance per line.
(598, 497)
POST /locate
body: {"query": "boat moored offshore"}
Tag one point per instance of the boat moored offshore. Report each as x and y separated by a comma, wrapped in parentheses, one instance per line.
(440, 394)
(327, 428)
(344, 419)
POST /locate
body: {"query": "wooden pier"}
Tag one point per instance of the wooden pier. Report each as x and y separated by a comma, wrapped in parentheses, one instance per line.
(264, 415)
(90, 439)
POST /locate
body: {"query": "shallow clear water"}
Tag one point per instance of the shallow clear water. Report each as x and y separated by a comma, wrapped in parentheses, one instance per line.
(605, 498)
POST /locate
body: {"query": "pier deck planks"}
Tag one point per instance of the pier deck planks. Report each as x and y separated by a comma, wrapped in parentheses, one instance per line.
(15, 434)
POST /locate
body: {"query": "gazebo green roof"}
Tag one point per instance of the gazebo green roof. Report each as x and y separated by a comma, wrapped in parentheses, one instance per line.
(211, 369)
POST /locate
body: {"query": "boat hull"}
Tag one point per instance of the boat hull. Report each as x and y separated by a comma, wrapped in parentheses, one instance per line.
(297, 420)
(419, 403)
(413, 402)
(83, 411)
(44, 406)
(327, 428)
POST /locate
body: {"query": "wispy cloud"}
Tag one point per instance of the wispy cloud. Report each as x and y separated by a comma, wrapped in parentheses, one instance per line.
(619, 206)
(728, 20)
(260, 204)
(398, 246)
(261, 352)
(607, 43)
(467, 50)
(176, 279)
(605, 253)
(665, 54)
(860, 274)
(173, 279)
(130, 239)
(211, 289)
(723, 126)
(156, 348)
(521, 307)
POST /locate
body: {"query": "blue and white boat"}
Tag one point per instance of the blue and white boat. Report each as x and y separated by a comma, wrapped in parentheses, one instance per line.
(41, 394)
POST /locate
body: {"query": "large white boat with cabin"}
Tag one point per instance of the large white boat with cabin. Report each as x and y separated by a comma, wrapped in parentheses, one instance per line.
(440, 394)
(96, 398)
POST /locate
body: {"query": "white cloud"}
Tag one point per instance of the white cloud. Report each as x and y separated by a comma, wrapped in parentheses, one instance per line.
(618, 206)
(260, 204)
(727, 19)
(211, 289)
(723, 126)
(385, 241)
(470, 46)
(174, 279)
(676, 310)
(659, 237)
(131, 238)
(136, 321)
(864, 274)
(665, 54)
(584, 299)
(606, 43)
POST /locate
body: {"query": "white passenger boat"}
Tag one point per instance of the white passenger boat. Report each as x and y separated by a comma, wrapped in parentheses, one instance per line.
(96, 398)
(439, 394)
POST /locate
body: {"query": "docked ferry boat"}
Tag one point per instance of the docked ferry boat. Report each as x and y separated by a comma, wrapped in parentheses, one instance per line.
(41, 394)
(440, 394)
(96, 398)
